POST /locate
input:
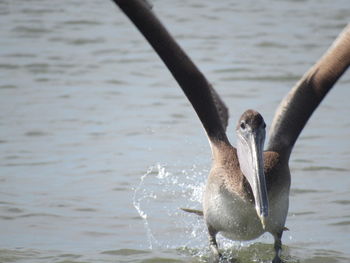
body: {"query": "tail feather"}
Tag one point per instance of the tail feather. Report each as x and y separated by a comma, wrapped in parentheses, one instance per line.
(193, 211)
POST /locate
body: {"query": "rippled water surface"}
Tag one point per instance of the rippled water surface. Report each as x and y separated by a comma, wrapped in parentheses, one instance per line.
(99, 147)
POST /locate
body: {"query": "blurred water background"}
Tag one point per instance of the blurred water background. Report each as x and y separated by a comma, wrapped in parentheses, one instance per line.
(99, 147)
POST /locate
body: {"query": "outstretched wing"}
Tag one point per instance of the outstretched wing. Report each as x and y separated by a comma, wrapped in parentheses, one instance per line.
(221, 107)
(299, 104)
(209, 107)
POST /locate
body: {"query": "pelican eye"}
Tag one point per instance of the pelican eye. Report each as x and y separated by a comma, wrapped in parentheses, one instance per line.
(242, 125)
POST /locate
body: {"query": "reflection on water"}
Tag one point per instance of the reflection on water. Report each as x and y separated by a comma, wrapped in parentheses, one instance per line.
(87, 111)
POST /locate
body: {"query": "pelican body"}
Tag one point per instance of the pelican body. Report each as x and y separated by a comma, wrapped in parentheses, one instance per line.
(247, 192)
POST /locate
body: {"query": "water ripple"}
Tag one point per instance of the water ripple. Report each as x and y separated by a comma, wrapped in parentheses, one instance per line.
(325, 168)
(341, 223)
(342, 202)
(125, 252)
(40, 215)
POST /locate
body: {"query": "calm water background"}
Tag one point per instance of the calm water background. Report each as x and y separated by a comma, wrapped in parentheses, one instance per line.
(99, 147)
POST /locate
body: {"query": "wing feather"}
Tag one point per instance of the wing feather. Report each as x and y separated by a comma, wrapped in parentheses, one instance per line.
(208, 105)
(299, 104)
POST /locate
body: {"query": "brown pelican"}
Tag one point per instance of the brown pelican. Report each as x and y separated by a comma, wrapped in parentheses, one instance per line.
(247, 191)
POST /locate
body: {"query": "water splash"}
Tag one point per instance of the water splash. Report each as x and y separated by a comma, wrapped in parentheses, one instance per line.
(139, 191)
(158, 199)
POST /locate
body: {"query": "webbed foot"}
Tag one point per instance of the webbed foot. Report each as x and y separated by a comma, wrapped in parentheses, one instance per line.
(277, 259)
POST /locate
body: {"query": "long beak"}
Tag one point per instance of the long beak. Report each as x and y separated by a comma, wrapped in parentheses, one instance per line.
(250, 154)
(259, 183)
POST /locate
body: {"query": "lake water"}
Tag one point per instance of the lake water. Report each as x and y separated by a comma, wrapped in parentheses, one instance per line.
(99, 148)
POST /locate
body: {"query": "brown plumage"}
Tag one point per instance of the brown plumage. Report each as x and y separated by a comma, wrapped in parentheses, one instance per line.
(247, 191)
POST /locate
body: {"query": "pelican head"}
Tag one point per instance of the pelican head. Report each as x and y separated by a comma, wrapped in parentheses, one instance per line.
(250, 144)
